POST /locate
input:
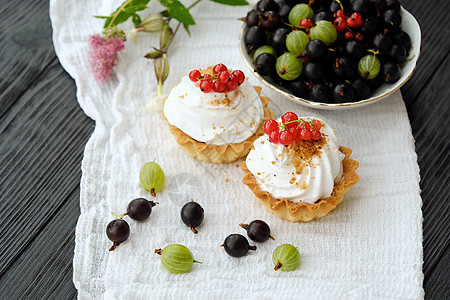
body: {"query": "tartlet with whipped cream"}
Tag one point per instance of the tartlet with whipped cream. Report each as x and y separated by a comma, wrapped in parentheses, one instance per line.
(302, 175)
(216, 126)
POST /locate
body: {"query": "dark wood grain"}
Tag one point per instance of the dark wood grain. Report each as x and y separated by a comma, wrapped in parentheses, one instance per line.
(43, 133)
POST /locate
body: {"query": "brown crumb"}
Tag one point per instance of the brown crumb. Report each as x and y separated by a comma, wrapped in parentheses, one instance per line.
(226, 180)
(237, 166)
(302, 152)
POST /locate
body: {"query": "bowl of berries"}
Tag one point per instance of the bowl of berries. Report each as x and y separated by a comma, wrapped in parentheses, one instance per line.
(331, 54)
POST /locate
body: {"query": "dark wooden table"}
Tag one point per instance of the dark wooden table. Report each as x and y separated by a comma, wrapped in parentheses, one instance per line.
(43, 134)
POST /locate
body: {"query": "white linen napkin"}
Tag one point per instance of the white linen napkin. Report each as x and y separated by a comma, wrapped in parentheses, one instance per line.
(369, 247)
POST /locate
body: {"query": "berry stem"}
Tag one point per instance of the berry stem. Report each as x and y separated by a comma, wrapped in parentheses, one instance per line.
(277, 266)
(152, 192)
(252, 248)
(153, 203)
(158, 251)
(193, 229)
(340, 4)
(119, 216)
(197, 262)
(272, 238)
(114, 246)
(245, 226)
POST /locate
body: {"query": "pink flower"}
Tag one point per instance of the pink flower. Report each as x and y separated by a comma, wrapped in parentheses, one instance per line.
(103, 54)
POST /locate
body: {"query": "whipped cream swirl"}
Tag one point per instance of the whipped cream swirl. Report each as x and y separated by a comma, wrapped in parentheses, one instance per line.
(214, 118)
(275, 173)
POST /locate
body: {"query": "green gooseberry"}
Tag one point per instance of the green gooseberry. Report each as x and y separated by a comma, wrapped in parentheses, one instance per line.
(176, 258)
(152, 178)
(286, 258)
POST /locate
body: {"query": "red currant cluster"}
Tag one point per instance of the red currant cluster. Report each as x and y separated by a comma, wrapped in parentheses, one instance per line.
(222, 80)
(291, 129)
(342, 23)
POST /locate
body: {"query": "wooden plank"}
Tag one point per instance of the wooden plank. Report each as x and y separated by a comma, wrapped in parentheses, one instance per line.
(27, 47)
(428, 117)
(41, 154)
(44, 270)
(435, 43)
(437, 283)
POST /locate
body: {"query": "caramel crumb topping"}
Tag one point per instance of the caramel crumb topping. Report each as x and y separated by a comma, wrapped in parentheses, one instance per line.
(237, 166)
(302, 152)
(226, 180)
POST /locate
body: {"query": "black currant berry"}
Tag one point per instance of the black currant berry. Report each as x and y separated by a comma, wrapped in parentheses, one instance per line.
(236, 245)
(117, 231)
(192, 215)
(398, 53)
(362, 6)
(361, 89)
(284, 11)
(265, 64)
(391, 72)
(254, 38)
(257, 231)
(394, 5)
(266, 5)
(403, 39)
(369, 28)
(252, 18)
(355, 49)
(319, 92)
(140, 209)
(344, 67)
(342, 93)
(381, 41)
(391, 19)
(298, 87)
(269, 20)
(323, 15)
(278, 39)
(316, 49)
(313, 71)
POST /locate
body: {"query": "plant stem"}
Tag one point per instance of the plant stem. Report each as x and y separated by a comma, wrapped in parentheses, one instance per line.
(111, 24)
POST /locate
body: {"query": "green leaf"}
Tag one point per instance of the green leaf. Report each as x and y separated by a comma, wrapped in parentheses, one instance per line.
(178, 11)
(101, 17)
(126, 10)
(136, 19)
(186, 27)
(231, 2)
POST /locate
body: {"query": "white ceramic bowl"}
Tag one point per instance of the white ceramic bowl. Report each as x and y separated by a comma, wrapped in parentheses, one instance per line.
(409, 25)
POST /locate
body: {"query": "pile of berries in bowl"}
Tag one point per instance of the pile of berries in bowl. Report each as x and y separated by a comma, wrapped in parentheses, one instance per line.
(331, 54)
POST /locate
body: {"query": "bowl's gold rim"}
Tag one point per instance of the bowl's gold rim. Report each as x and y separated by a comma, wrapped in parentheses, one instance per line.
(329, 105)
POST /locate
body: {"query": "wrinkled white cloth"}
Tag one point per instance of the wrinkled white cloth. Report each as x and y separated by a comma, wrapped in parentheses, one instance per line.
(369, 247)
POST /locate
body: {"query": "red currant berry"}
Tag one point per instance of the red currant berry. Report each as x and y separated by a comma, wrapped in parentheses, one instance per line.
(270, 125)
(317, 125)
(218, 87)
(289, 116)
(359, 36)
(305, 125)
(316, 135)
(357, 19)
(340, 13)
(219, 68)
(305, 135)
(305, 23)
(232, 83)
(350, 22)
(340, 23)
(349, 35)
(207, 77)
(223, 77)
(195, 75)
(274, 137)
(206, 86)
(240, 75)
(295, 131)
(286, 137)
